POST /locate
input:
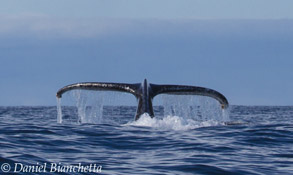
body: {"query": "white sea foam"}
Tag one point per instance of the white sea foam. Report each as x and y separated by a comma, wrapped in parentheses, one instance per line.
(171, 123)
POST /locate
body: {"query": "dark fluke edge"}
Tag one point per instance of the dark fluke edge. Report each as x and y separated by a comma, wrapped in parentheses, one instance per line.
(145, 92)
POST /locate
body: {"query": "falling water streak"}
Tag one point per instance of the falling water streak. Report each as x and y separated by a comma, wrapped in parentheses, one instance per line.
(225, 114)
(89, 106)
(95, 110)
(59, 111)
(194, 107)
(81, 105)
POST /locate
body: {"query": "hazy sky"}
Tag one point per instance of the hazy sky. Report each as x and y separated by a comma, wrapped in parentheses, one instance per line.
(243, 49)
(170, 9)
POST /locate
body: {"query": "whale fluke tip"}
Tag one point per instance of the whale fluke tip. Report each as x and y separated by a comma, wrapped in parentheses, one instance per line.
(58, 95)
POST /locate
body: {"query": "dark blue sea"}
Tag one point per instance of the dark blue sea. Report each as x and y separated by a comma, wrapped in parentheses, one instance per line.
(255, 140)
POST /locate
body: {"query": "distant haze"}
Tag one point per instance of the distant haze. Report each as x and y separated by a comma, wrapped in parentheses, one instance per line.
(244, 54)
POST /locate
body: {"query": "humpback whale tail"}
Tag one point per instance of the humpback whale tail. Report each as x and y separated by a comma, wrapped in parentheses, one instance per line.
(145, 92)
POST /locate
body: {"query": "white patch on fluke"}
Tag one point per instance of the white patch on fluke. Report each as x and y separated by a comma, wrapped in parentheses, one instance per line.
(171, 123)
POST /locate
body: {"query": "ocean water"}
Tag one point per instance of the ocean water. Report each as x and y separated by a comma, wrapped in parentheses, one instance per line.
(254, 140)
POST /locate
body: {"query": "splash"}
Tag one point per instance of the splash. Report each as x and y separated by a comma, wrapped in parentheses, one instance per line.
(171, 123)
(184, 112)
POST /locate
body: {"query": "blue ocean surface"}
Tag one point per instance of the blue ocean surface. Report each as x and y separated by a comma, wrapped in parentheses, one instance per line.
(256, 140)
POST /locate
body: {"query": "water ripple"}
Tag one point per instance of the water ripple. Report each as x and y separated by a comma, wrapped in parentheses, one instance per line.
(31, 135)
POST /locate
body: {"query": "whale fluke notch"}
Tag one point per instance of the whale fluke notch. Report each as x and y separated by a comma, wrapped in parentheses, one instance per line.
(145, 92)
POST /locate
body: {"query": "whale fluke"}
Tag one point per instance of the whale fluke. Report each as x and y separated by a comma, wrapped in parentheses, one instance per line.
(122, 87)
(145, 92)
(189, 90)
